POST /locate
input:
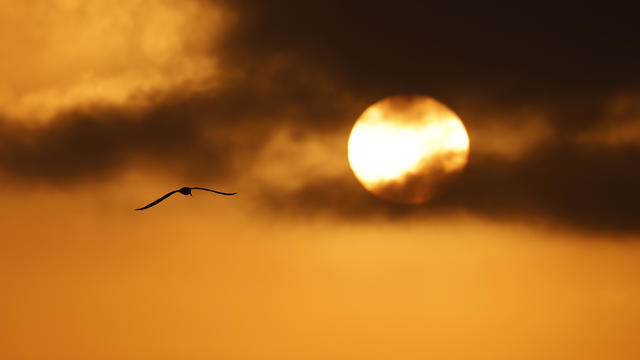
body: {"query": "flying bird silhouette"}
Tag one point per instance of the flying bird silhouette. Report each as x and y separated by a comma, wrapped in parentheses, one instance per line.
(184, 191)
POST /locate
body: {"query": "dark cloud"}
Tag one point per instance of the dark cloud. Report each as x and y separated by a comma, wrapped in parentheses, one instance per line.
(566, 61)
(188, 135)
(94, 142)
(314, 66)
(587, 188)
(511, 50)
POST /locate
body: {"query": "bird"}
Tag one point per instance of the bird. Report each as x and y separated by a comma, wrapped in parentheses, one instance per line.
(184, 191)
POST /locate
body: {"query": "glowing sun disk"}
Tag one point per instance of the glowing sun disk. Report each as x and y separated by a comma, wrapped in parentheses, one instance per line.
(402, 136)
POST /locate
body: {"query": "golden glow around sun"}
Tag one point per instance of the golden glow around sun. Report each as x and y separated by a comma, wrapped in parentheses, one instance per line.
(403, 147)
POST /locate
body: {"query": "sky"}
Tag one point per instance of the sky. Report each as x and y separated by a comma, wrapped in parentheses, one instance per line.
(531, 253)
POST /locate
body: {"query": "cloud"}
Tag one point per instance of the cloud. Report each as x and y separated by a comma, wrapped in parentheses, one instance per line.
(92, 143)
(446, 48)
(574, 186)
(288, 79)
(188, 135)
(620, 125)
(65, 53)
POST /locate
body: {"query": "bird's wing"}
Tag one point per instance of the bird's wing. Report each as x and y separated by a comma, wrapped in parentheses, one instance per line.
(157, 201)
(217, 192)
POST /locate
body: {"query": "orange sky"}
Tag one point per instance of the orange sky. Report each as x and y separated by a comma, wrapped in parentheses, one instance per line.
(532, 254)
(86, 277)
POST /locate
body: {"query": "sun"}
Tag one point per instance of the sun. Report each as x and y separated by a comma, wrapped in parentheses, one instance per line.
(403, 148)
